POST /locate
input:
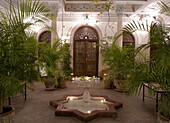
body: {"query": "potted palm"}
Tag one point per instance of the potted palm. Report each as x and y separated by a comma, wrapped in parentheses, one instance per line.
(65, 69)
(61, 78)
(108, 79)
(49, 59)
(118, 60)
(157, 69)
(164, 111)
(18, 50)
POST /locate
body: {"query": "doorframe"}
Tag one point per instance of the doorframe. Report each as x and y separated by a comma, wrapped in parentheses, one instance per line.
(73, 31)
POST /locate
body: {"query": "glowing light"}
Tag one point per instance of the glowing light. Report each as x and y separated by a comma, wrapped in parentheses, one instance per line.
(71, 98)
(88, 112)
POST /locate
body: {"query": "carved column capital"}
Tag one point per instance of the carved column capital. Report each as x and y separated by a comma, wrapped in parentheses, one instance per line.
(120, 9)
(54, 8)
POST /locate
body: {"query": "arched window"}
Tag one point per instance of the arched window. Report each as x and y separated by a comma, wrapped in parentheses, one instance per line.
(128, 39)
(45, 37)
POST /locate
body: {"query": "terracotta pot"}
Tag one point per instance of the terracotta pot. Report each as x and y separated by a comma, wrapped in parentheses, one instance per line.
(8, 115)
(162, 119)
(119, 83)
(62, 84)
(49, 83)
(107, 85)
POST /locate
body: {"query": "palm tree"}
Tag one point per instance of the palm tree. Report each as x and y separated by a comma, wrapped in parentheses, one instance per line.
(157, 69)
(49, 59)
(119, 61)
(18, 49)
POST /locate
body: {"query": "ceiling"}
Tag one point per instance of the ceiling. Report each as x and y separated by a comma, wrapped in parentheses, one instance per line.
(127, 7)
(71, 9)
(91, 5)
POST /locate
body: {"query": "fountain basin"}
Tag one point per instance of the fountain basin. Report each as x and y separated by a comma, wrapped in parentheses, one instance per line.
(98, 106)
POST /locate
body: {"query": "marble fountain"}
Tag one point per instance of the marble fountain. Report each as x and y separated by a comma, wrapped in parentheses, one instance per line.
(86, 106)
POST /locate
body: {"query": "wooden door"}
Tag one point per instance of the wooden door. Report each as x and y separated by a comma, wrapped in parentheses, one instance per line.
(86, 51)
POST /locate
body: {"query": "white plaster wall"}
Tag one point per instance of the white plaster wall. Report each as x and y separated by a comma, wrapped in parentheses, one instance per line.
(67, 30)
(70, 27)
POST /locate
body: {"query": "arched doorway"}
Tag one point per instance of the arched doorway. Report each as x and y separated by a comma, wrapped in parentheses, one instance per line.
(85, 51)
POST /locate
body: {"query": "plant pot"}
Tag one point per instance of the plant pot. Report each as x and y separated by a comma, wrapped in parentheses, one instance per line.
(162, 119)
(49, 83)
(119, 83)
(108, 84)
(62, 84)
(8, 115)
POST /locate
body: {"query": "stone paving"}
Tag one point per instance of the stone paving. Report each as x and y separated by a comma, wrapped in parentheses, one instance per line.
(36, 108)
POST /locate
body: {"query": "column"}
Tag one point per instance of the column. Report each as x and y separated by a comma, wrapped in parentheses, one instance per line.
(119, 11)
(119, 28)
(54, 9)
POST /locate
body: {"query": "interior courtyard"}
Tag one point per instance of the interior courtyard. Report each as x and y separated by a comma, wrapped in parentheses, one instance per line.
(85, 47)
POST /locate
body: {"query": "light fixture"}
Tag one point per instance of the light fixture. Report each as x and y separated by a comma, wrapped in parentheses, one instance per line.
(71, 98)
(88, 112)
(86, 19)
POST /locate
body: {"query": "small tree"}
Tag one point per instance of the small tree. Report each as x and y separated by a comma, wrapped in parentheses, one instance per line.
(158, 68)
(18, 50)
(66, 60)
(119, 61)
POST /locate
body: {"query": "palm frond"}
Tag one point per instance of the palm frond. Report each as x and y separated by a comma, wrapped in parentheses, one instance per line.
(137, 25)
(164, 8)
(9, 86)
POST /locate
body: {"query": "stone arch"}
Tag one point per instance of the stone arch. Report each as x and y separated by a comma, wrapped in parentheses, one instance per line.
(81, 25)
(43, 31)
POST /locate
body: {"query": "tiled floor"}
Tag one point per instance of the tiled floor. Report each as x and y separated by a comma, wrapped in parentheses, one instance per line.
(36, 108)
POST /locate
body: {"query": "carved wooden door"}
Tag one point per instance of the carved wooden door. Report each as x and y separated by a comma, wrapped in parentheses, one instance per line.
(86, 49)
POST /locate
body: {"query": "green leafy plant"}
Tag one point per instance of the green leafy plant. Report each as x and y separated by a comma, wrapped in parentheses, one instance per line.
(18, 50)
(49, 58)
(163, 108)
(66, 60)
(118, 60)
(157, 69)
(55, 60)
